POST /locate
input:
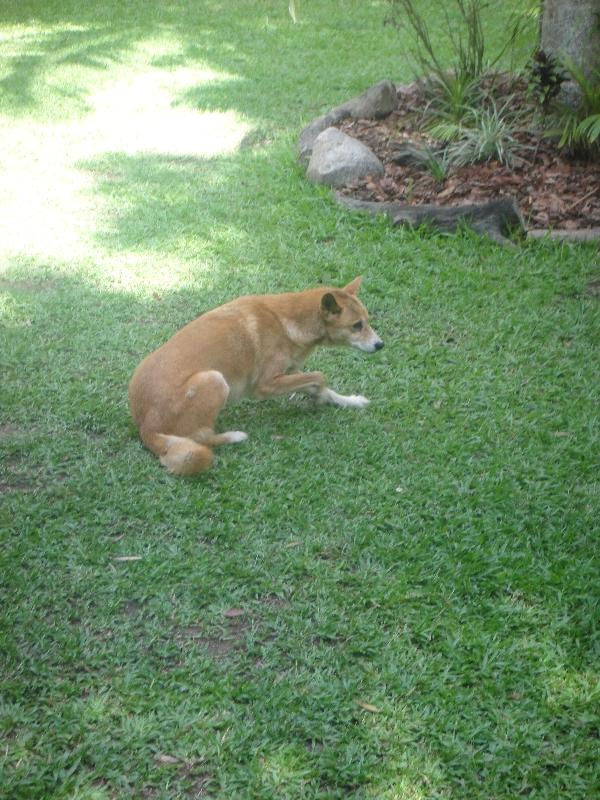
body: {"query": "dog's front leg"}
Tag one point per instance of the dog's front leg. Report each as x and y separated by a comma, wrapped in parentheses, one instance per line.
(327, 395)
(313, 384)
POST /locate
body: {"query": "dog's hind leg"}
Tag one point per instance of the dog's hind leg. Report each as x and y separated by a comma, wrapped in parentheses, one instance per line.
(205, 395)
(180, 455)
(186, 449)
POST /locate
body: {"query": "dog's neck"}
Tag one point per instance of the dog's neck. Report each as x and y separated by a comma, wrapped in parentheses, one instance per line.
(306, 331)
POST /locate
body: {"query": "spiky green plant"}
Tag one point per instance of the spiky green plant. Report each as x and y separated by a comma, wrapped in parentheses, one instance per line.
(485, 133)
(437, 163)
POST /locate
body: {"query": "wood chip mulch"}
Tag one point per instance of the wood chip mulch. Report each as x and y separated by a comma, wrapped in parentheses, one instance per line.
(551, 190)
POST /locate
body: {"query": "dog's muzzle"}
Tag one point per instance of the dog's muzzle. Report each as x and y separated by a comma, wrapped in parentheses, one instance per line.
(369, 347)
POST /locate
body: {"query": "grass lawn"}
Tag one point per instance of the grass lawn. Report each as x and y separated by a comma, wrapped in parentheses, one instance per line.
(400, 603)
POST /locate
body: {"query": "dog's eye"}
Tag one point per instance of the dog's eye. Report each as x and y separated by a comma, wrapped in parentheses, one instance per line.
(357, 325)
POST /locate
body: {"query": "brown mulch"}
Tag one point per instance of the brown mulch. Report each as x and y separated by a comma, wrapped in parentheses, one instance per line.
(551, 190)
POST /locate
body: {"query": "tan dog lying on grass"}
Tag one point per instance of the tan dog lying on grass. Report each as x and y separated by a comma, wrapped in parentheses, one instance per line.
(251, 347)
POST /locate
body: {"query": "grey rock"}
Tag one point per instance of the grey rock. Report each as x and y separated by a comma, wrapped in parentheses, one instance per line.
(410, 155)
(317, 126)
(570, 95)
(377, 102)
(337, 159)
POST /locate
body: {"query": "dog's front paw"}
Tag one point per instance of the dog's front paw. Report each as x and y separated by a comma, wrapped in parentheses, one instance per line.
(344, 400)
(356, 401)
(234, 437)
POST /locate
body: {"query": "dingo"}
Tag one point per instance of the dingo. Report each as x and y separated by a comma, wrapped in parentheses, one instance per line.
(250, 347)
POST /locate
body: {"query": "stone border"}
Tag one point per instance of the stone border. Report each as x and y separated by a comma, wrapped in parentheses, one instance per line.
(336, 159)
(563, 235)
(376, 103)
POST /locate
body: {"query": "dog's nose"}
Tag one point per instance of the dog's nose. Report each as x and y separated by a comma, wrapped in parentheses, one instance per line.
(378, 345)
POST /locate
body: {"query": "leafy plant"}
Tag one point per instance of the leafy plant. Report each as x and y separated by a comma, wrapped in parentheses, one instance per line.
(452, 91)
(579, 127)
(546, 76)
(590, 127)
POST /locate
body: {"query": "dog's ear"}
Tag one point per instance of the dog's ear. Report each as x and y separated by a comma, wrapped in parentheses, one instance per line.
(354, 286)
(329, 304)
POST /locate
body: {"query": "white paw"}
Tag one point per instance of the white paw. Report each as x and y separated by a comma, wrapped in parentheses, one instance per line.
(343, 400)
(355, 401)
(235, 437)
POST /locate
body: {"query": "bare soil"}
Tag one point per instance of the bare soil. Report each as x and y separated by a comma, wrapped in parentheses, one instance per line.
(551, 189)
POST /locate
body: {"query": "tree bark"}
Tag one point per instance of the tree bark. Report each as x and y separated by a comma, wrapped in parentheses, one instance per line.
(572, 28)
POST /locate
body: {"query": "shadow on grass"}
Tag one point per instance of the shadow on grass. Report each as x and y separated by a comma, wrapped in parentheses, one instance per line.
(28, 85)
(161, 201)
(231, 216)
(61, 34)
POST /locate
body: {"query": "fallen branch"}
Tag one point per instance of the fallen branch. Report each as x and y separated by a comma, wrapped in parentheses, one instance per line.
(496, 219)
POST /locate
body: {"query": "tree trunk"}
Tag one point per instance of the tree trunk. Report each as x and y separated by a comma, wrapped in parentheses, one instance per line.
(572, 28)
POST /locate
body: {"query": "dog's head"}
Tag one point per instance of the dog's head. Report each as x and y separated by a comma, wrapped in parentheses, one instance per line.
(347, 320)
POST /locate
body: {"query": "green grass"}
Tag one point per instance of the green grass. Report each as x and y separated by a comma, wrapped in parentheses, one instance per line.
(433, 557)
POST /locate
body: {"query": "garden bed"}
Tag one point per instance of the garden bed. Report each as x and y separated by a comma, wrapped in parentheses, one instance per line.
(551, 190)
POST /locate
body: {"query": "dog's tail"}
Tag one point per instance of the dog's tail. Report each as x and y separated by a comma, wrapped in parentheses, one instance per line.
(180, 456)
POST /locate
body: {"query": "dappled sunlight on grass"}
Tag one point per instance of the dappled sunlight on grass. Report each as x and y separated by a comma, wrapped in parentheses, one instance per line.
(130, 273)
(48, 206)
(571, 687)
(45, 209)
(137, 113)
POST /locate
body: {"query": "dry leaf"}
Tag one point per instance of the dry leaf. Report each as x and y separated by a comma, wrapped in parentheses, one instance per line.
(448, 191)
(555, 204)
(234, 612)
(165, 759)
(368, 707)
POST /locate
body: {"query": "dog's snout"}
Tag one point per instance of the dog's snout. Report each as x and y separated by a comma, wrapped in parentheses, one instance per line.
(378, 345)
